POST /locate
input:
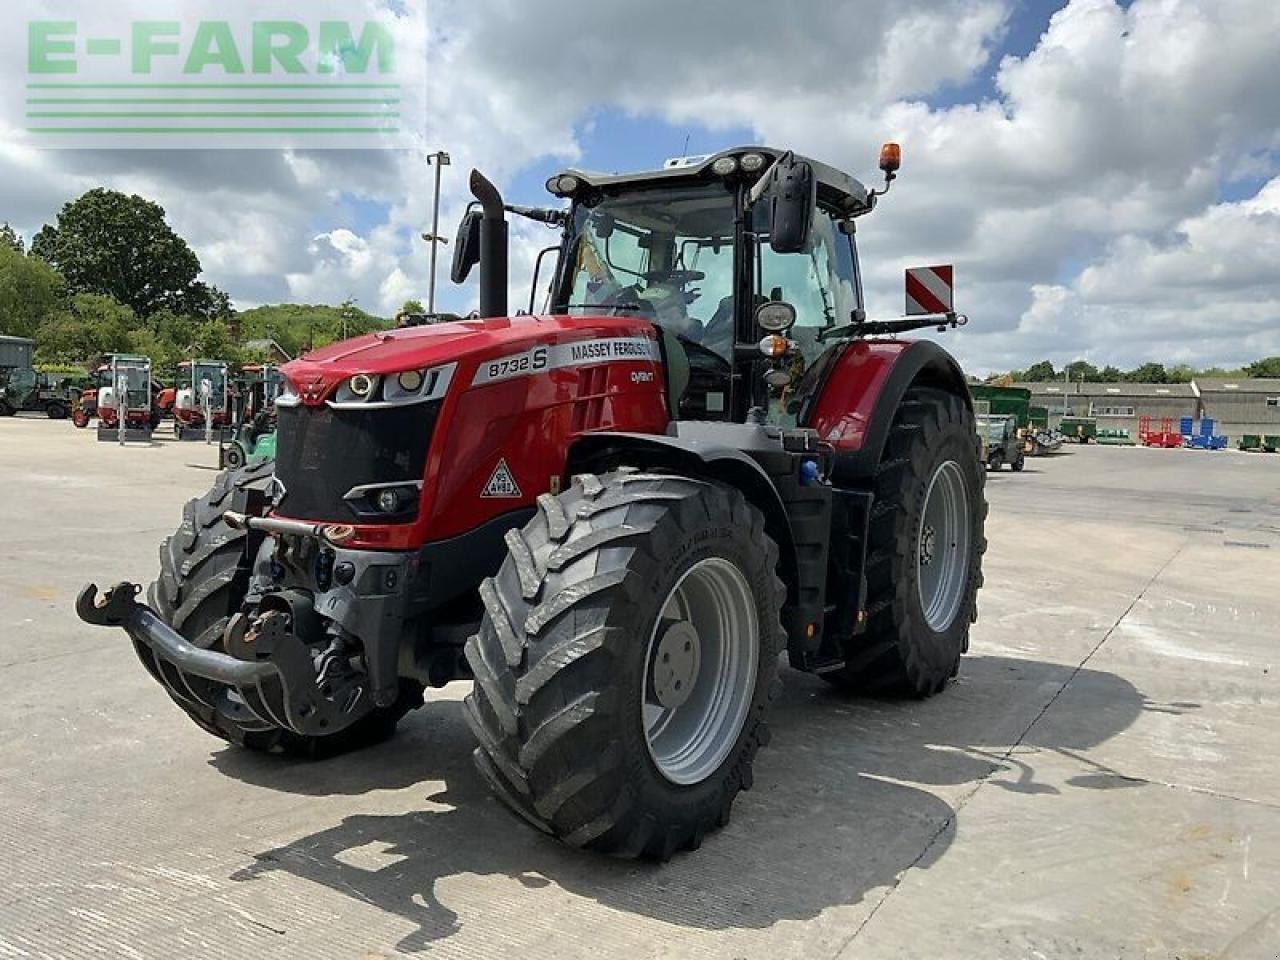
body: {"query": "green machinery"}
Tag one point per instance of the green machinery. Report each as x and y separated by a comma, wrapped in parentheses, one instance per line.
(1079, 429)
(1009, 401)
(252, 437)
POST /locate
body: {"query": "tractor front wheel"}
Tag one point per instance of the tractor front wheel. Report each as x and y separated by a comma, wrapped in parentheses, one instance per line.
(626, 661)
(56, 411)
(924, 552)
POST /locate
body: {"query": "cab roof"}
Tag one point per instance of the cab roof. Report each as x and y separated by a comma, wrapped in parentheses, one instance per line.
(836, 189)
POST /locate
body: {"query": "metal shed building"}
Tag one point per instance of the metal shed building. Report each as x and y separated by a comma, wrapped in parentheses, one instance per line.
(1116, 406)
(1242, 406)
(16, 351)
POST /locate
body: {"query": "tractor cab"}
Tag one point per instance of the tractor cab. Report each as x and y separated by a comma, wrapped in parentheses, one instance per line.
(746, 262)
(125, 399)
(202, 398)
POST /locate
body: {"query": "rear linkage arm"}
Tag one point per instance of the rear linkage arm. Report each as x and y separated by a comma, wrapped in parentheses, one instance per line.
(273, 669)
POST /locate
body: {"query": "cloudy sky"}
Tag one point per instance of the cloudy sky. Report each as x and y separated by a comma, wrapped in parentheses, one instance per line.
(1104, 175)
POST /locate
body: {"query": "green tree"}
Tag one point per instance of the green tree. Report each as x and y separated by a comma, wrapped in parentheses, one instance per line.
(1148, 373)
(30, 292)
(1079, 370)
(413, 306)
(1267, 367)
(93, 325)
(9, 238)
(298, 327)
(120, 246)
(1182, 373)
(1110, 374)
(1040, 372)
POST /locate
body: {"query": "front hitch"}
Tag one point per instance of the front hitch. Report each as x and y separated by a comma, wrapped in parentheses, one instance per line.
(272, 670)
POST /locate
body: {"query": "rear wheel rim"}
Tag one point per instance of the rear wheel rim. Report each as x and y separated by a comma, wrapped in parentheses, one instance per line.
(700, 671)
(942, 547)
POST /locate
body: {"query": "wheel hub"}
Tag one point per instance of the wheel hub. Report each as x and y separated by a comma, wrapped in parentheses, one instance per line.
(700, 671)
(675, 664)
(942, 552)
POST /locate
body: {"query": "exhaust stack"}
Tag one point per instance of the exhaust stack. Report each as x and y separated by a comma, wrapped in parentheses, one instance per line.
(493, 247)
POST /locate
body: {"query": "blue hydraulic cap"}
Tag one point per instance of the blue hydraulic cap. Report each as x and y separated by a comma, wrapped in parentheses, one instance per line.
(808, 473)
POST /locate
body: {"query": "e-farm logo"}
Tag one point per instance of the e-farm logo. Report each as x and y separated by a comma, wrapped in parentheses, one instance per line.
(326, 81)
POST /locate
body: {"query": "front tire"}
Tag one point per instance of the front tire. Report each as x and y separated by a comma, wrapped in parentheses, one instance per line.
(204, 575)
(577, 713)
(924, 552)
(56, 411)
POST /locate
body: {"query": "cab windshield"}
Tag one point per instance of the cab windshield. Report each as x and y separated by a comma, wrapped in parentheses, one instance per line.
(665, 254)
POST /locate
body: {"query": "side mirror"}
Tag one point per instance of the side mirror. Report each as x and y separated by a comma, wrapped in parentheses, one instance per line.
(793, 196)
(466, 249)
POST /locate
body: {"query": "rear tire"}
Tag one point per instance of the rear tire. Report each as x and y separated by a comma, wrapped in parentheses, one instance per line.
(233, 457)
(995, 462)
(204, 575)
(6, 410)
(567, 662)
(908, 648)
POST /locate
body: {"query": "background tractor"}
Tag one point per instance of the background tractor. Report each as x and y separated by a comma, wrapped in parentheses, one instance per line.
(611, 518)
(22, 388)
(201, 402)
(124, 403)
(1003, 441)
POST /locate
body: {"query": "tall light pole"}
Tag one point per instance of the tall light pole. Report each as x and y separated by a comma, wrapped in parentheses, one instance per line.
(442, 160)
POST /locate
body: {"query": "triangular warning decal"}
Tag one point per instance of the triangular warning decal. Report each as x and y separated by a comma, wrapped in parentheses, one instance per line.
(502, 483)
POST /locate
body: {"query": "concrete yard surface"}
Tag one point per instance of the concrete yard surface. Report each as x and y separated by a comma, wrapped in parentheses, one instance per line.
(1100, 782)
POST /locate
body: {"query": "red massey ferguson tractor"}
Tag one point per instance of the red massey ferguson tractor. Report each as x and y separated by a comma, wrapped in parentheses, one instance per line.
(612, 518)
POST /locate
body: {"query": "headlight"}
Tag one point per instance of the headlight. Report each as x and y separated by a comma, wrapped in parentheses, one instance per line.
(372, 392)
(724, 166)
(389, 500)
(751, 162)
(288, 396)
(563, 185)
(776, 316)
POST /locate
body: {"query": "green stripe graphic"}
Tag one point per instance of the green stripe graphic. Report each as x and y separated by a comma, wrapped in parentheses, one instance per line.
(319, 85)
(86, 101)
(209, 114)
(144, 130)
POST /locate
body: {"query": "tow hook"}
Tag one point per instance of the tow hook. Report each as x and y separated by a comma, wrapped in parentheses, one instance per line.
(272, 668)
(335, 533)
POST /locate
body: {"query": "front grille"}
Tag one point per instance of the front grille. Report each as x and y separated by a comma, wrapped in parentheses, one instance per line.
(321, 453)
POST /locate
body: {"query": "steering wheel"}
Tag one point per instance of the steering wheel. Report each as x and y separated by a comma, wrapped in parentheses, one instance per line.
(677, 278)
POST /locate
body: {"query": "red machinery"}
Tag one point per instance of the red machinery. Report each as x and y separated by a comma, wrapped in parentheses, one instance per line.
(611, 519)
(1166, 436)
(201, 404)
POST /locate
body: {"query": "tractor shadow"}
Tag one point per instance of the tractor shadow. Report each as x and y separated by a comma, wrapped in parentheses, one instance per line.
(850, 793)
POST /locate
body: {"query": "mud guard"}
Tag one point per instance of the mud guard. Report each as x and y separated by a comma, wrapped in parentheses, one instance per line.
(855, 394)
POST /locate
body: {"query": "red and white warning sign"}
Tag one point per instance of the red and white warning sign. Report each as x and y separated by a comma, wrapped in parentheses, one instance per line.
(930, 290)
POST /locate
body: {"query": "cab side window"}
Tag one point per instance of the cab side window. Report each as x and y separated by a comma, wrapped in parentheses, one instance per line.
(820, 282)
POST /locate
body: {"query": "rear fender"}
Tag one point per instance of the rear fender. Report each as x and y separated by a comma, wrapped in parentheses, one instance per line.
(860, 388)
